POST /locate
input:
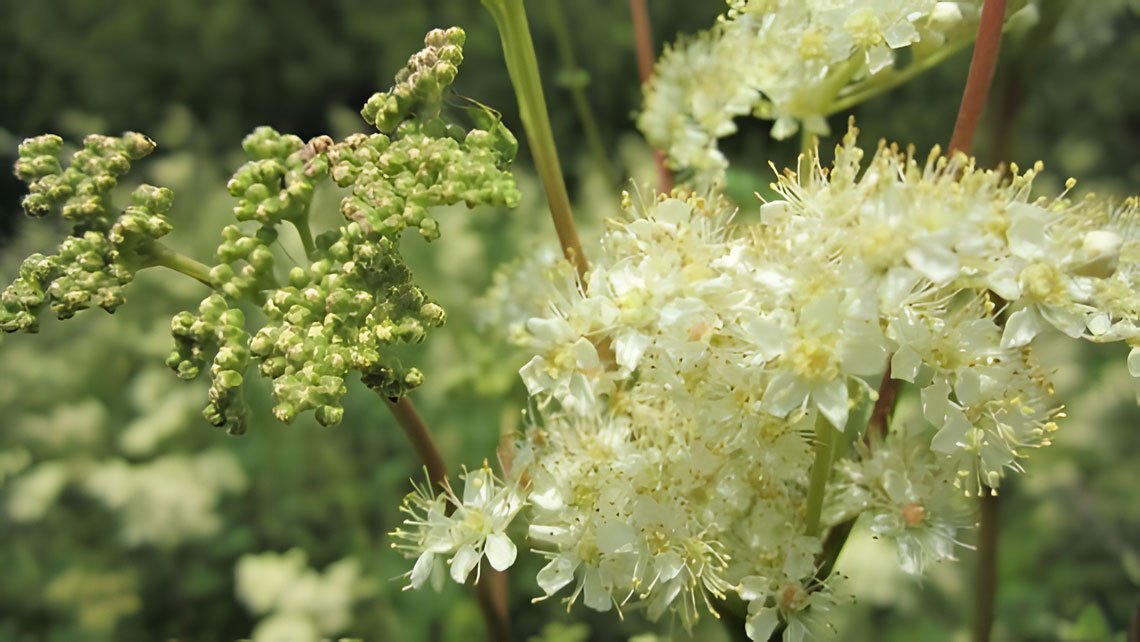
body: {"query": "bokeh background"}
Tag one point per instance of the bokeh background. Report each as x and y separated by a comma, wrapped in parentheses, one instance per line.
(124, 516)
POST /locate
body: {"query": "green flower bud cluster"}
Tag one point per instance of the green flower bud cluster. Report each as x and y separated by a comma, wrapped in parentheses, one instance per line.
(356, 298)
(420, 85)
(395, 182)
(354, 295)
(245, 262)
(278, 183)
(218, 329)
(105, 247)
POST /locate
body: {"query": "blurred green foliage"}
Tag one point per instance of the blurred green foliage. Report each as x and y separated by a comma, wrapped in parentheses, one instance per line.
(108, 528)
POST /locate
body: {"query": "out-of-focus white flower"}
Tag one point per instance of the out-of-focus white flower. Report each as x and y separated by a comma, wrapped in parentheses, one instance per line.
(784, 60)
(300, 603)
(34, 492)
(168, 500)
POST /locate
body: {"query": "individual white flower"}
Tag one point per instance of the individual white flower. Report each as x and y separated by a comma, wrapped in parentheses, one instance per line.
(476, 527)
(789, 594)
(831, 339)
(902, 488)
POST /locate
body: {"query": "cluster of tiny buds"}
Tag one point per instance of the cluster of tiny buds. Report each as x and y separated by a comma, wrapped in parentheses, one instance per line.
(105, 246)
(352, 296)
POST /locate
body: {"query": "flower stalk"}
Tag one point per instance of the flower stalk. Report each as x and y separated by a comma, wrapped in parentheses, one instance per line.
(522, 66)
(825, 435)
(980, 78)
(160, 255)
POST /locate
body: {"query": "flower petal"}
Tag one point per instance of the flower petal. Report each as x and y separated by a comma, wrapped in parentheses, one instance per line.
(501, 551)
(466, 558)
(558, 573)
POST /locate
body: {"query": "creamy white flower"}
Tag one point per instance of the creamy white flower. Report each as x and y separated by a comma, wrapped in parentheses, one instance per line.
(476, 528)
(677, 390)
(784, 60)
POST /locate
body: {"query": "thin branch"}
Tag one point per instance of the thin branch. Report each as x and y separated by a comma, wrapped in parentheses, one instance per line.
(417, 433)
(491, 592)
(888, 79)
(643, 39)
(159, 255)
(983, 63)
(820, 472)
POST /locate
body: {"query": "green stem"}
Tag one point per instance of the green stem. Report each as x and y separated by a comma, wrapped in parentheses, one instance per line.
(522, 66)
(306, 234)
(886, 80)
(576, 86)
(157, 254)
(825, 435)
(807, 143)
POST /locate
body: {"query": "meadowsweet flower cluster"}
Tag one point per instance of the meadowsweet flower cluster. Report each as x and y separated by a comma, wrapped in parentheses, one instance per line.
(786, 61)
(693, 391)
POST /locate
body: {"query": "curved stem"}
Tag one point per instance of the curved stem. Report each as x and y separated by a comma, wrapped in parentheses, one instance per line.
(417, 433)
(643, 41)
(887, 80)
(306, 234)
(160, 255)
(576, 86)
(522, 66)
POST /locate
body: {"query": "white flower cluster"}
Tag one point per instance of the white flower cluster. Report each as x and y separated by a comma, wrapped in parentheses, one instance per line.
(784, 60)
(296, 602)
(686, 391)
(169, 500)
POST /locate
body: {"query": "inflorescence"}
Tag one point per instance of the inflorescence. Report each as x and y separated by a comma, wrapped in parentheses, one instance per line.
(684, 472)
(337, 311)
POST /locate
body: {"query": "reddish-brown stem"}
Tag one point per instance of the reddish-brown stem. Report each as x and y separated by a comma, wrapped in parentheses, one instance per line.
(417, 433)
(983, 63)
(491, 591)
(884, 405)
(643, 39)
(986, 588)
